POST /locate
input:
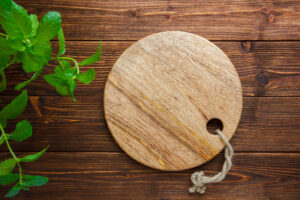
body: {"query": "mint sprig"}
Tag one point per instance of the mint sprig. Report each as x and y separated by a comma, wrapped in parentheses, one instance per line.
(22, 132)
(28, 41)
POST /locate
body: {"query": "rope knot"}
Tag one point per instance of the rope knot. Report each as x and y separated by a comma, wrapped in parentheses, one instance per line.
(198, 179)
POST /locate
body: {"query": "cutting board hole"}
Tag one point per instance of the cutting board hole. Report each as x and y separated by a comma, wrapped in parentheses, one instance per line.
(214, 124)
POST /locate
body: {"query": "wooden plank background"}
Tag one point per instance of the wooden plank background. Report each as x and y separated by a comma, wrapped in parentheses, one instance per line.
(262, 38)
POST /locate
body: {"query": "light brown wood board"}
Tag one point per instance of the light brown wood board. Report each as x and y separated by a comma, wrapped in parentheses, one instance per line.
(160, 95)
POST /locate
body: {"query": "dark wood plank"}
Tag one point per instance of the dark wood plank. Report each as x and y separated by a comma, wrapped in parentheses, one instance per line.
(265, 68)
(109, 176)
(267, 124)
(131, 20)
(267, 142)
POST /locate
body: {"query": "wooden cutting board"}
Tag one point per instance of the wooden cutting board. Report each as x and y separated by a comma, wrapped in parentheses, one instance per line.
(160, 95)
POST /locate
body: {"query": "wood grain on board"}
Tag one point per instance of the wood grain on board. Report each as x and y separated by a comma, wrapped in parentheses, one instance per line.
(114, 176)
(215, 20)
(265, 68)
(268, 124)
(161, 93)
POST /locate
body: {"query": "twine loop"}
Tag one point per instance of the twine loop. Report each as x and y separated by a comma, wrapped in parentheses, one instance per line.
(199, 180)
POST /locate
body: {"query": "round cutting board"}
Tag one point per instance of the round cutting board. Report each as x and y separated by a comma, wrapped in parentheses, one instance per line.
(160, 95)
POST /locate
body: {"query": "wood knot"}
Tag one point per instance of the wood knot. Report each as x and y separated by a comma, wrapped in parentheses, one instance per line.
(247, 46)
(269, 15)
(271, 18)
(34, 101)
(136, 13)
(262, 79)
(169, 8)
(168, 17)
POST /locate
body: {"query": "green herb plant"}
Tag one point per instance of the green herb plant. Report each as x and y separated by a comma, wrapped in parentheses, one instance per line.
(27, 40)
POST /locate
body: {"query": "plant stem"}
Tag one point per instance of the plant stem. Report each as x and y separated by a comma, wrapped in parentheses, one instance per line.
(10, 63)
(72, 59)
(3, 81)
(2, 34)
(34, 76)
(1, 138)
(12, 153)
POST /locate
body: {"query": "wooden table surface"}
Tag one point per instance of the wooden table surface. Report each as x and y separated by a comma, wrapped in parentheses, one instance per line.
(262, 38)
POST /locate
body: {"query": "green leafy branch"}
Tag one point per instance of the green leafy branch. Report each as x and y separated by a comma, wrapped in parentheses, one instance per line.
(22, 132)
(28, 41)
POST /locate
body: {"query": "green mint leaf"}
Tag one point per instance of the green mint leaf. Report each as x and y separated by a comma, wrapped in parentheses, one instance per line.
(94, 58)
(36, 57)
(8, 179)
(14, 44)
(3, 80)
(30, 181)
(65, 74)
(31, 63)
(69, 72)
(49, 26)
(7, 166)
(18, 57)
(5, 5)
(61, 86)
(3, 122)
(10, 27)
(60, 72)
(67, 69)
(43, 50)
(22, 85)
(1, 139)
(8, 21)
(33, 157)
(64, 64)
(87, 77)
(5, 53)
(63, 89)
(64, 70)
(72, 86)
(4, 59)
(15, 20)
(62, 81)
(34, 24)
(25, 188)
(22, 132)
(62, 45)
(14, 190)
(21, 19)
(10, 46)
(15, 107)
